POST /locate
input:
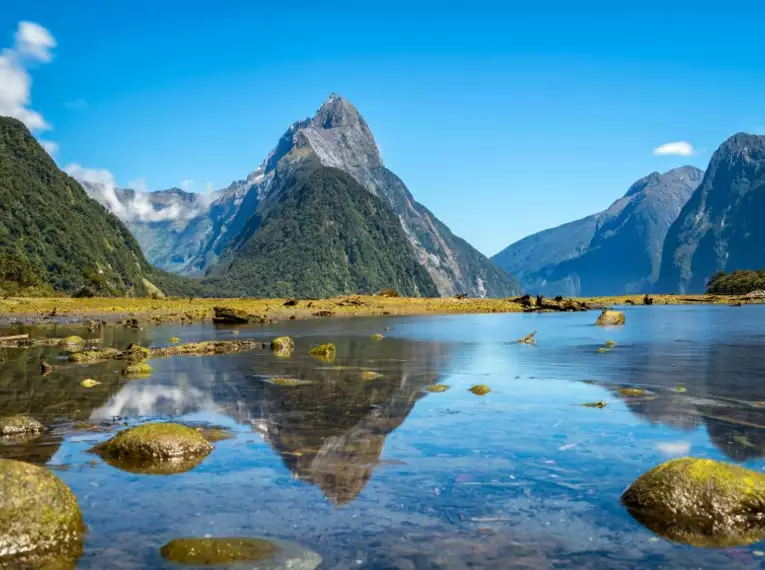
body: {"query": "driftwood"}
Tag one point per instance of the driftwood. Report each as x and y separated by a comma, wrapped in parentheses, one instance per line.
(13, 338)
(528, 339)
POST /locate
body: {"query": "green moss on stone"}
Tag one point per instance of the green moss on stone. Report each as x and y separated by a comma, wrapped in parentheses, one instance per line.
(93, 355)
(212, 551)
(324, 352)
(700, 502)
(39, 515)
(437, 388)
(480, 389)
(138, 370)
(72, 341)
(155, 441)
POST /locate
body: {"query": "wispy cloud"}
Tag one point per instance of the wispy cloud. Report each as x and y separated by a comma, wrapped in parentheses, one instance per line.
(186, 184)
(139, 185)
(209, 187)
(76, 105)
(677, 148)
(32, 44)
(50, 147)
(101, 185)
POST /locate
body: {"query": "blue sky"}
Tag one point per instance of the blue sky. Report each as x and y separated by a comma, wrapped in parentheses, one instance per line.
(502, 118)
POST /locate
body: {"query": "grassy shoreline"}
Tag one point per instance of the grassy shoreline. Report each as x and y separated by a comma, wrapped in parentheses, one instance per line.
(70, 310)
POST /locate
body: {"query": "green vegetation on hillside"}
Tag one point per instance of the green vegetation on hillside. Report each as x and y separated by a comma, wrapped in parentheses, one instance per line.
(325, 236)
(54, 237)
(736, 283)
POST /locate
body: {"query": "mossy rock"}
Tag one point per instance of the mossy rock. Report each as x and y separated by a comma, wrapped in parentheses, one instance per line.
(174, 340)
(286, 381)
(282, 343)
(377, 336)
(610, 344)
(136, 352)
(240, 552)
(480, 389)
(72, 341)
(215, 434)
(324, 352)
(436, 388)
(93, 355)
(155, 448)
(368, 375)
(609, 317)
(19, 425)
(39, 517)
(631, 392)
(599, 404)
(700, 502)
(138, 370)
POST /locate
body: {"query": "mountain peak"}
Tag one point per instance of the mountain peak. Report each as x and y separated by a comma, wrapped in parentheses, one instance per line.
(336, 111)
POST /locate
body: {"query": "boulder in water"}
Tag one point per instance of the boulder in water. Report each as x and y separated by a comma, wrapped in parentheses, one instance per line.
(610, 317)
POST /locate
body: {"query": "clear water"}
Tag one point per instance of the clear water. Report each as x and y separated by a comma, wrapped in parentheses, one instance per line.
(384, 475)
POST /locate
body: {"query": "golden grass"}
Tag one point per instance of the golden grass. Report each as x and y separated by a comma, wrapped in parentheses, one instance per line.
(170, 310)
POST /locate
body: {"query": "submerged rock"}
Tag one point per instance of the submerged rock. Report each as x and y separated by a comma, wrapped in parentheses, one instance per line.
(250, 553)
(19, 425)
(39, 517)
(528, 339)
(610, 317)
(437, 388)
(599, 404)
(370, 375)
(631, 392)
(138, 370)
(155, 448)
(282, 346)
(71, 341)
(94, 355)
(89, 383)
(480, 389)
(323, 351)
(174, 340)
(700, 502)
(377, 336)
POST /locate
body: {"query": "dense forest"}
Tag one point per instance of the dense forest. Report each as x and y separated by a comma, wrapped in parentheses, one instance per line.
(327, 235)
(736, 283)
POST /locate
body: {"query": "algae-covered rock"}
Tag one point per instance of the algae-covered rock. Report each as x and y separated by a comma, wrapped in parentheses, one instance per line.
(377, 336)
(232, 316)
(155, 441)
(174, 340)
(631, 392)
(72, 341)
(323, 351)
(89, 383)
(610, 344)
(368, 375)
(599, 404)
(19, 425)
(282, 346)
(39, 516)
(610, 317)
(86, 356)
(240, 552)
(138, 370)
(215, 434)
(136, 352)
(480, 389)
(700, 502)
(437, 388)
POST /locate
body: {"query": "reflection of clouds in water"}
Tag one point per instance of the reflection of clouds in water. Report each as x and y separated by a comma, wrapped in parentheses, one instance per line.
(674, 447)
(140, 399)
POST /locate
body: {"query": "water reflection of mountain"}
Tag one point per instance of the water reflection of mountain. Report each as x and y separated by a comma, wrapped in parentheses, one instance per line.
(329, 431)
(724, 391)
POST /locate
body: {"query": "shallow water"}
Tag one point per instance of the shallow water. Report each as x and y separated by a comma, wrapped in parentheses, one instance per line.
(382, 474)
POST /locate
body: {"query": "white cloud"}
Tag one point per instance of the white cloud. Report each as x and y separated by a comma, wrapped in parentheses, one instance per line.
(76, 105)
(101, 185)
(51, 147)
(32, 44)
(678, 148)
(34, 41)
(139, 185)
(674, 448)
(186, 184)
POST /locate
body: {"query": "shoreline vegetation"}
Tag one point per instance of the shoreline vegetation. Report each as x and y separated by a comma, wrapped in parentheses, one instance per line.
(134, 311)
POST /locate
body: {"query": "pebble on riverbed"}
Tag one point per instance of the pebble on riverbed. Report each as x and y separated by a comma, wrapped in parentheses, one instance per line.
(273, 554)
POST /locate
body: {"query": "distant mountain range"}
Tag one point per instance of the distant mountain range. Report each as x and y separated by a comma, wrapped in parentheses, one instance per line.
(616, 251)
(198, 235)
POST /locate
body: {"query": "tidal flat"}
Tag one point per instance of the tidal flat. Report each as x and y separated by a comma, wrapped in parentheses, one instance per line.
(380, 456)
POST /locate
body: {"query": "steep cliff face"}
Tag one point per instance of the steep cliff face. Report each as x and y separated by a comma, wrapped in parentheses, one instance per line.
(615, 251)
(720, 228)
